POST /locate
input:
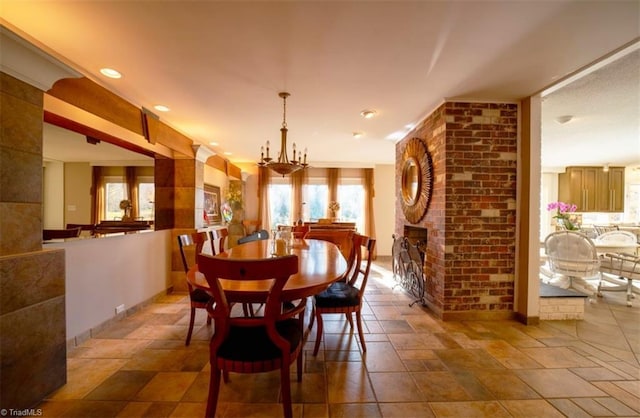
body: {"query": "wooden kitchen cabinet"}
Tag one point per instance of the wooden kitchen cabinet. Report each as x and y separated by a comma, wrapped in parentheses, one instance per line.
(611, 190)
(592, 189)
(577, 185)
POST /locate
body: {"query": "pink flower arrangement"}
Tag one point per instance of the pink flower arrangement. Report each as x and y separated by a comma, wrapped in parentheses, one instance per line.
(562, 214)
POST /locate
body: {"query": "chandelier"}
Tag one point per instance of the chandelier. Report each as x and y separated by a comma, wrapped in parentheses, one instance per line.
(283, 165)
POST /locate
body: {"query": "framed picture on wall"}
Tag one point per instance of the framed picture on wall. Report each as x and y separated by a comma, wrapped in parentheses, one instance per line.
(212, 214)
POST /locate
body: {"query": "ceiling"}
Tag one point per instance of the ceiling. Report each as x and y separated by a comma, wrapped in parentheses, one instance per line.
(220, 65)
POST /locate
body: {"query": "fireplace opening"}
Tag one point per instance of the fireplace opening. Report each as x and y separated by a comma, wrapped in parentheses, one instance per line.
(408, 253)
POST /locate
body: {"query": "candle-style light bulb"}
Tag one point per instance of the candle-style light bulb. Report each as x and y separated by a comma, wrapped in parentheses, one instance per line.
(294, 151)
(261, 154)
(305, 156)
(267, 149)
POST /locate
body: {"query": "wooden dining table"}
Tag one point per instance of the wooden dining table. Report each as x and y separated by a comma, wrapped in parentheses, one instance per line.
(320, 263)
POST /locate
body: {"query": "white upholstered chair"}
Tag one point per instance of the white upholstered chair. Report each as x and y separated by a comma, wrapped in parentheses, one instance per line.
(572, 259)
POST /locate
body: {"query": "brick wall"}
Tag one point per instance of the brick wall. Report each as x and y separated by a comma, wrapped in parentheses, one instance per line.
(471, 219)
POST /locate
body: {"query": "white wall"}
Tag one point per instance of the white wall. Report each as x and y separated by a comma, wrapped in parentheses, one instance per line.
(102, 273)
(384, 206)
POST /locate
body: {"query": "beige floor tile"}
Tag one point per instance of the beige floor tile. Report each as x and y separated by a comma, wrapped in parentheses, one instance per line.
(348, 382)
(159, 332)
(440, 386)
(478, 409)
(460, 359)
(252, 410)
(381, 357)
(558, 383)
(415, 341)
(505, 385)
(189, 410)
(630, 400)
(134, 409)
(84, 375)
(167, 387)
(593, 408)
(531, 408)
(568, 408)
(556, 357)
(354, 410)
(395, 387)
(109, 348)
(315, 410)
(251, 388)
(158, 360)
(596, 373)
(406, 410)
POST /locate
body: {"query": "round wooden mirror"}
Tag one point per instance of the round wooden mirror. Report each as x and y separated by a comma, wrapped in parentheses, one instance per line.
(416, 180)
(410, 181)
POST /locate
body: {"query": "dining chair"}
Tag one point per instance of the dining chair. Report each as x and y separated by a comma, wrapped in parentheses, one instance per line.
(346, 297)
(218, 236)
(300, 231)
(49, 234)
(342, 238)
(255, 344)
(199, 299)
(618, 236)
(261, 234)
(572, 256)
(90, 228)
(601, 229)
(620, 270)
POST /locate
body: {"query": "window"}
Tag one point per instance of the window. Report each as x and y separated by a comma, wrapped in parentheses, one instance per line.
(146, 197)
(115, 190)
(351, 199)
(316, 198)
(280, 204)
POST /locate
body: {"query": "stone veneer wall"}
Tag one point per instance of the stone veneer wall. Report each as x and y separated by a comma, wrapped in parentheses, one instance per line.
(470, 260)
(32, 281)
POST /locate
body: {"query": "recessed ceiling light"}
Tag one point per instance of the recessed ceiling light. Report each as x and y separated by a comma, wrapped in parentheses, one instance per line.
(215, 144)
(110, 72)
(357, 134)
(368, 114)
(161, 108)
(228, 153)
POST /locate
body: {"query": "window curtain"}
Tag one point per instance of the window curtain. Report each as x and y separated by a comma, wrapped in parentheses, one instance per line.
(369, 194)
(264, 178)
(97, 195)
(333, 178)
(298, 180)
(132, 190)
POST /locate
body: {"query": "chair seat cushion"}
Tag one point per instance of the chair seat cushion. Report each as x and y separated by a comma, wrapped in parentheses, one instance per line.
(199, 295)
(339, 294)
(253, 344)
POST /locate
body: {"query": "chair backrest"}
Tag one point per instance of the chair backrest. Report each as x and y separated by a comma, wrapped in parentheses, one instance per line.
(363, 249)
(572, 254)
(218, 238)
(190, 245)
(601, 229)
(278, 269)
(261, 234)
(49, 234)
(618, 236)
(300, 231)
(251, 225)
(91, 228)
(343, 238)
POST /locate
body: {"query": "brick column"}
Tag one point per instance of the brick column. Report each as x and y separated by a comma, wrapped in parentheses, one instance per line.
(470, 259)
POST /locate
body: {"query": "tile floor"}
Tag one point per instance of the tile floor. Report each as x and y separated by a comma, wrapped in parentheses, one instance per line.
(415, 366)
